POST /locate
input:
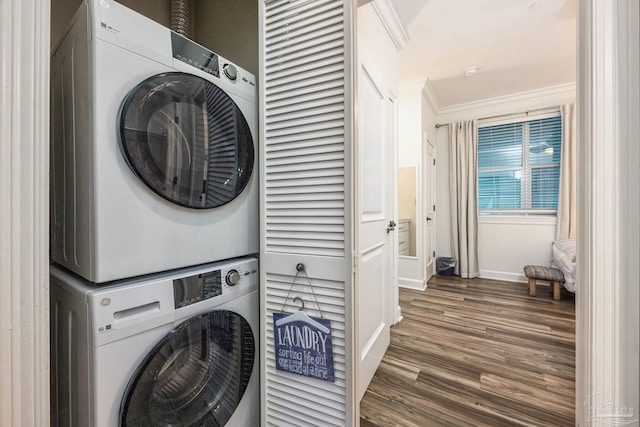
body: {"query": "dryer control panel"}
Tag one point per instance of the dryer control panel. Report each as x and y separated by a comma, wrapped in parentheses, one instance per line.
(193, 54)
(210, 284)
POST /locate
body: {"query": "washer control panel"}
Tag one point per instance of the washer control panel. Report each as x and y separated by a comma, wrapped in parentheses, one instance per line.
(196, 288)
(233, 277)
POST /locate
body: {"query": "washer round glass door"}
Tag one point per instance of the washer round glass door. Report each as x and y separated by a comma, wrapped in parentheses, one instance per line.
(196, 376)
(187, 140)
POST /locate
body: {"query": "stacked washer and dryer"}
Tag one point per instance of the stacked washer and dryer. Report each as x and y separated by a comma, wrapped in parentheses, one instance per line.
(154, 213)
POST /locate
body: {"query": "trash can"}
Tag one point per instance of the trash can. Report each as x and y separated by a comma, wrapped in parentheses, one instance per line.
(445, 266)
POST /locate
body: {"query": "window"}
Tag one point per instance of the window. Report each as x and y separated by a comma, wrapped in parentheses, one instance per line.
(519, 167)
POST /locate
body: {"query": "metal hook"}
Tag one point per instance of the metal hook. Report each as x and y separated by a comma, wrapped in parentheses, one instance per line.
(300, 267)
(301, 302)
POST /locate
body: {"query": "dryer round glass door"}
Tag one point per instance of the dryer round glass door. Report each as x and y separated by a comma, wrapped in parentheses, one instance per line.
(196, 376)
(187, 140)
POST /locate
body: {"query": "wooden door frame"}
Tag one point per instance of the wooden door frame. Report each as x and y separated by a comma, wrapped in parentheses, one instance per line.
(607, 301)
(429, 185)
(24, 212)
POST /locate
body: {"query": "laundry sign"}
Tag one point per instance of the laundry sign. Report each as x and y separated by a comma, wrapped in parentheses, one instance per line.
(303, 345)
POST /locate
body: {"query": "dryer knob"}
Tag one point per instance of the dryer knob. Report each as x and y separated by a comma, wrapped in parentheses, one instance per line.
(233, 277)
(230, 71)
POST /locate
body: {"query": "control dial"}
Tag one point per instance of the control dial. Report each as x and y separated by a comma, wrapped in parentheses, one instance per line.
(230, 71)
(233, 277)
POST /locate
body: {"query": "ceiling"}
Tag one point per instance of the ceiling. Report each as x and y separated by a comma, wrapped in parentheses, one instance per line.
(518, 45)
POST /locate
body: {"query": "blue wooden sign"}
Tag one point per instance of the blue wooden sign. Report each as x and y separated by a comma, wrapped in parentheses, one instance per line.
(303, 345)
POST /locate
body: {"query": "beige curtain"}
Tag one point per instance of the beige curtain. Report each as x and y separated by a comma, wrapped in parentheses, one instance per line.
(463, 161)
(566, 217)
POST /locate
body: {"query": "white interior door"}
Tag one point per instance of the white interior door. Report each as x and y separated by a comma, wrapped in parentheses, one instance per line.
(375, 239)
(430, 209)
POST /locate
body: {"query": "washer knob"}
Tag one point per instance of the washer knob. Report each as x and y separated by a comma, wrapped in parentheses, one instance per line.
(233, 277)
(230, 71)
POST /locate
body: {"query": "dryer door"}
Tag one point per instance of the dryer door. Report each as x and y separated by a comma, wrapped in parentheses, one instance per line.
(187, 140)
(195, 376)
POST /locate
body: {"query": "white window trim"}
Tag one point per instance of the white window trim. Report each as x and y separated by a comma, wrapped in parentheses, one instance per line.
(525, 219)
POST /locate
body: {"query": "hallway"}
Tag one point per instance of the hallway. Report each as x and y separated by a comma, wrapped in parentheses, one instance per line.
(476, 352)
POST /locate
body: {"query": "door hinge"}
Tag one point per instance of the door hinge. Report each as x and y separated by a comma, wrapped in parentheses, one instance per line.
(434, 208)
(434, 162)
(355, 261)
(434, 254)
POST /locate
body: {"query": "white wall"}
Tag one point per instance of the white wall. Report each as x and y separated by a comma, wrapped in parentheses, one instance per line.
(417, 120)
(505, 245)
(429, 117)
(410, 268)
(409, 125)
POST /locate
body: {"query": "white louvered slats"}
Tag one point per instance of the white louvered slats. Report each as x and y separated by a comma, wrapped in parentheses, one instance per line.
(304, 124)
(306, 119)
(314, 402)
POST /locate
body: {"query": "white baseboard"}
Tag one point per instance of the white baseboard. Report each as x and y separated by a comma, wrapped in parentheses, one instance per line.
(399, 319)
(419, 285)
(503, 275)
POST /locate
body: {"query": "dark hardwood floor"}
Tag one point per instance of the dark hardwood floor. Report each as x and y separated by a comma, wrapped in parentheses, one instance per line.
(476, 352)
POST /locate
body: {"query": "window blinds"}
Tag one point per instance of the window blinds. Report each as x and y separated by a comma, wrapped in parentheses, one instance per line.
(519, 166)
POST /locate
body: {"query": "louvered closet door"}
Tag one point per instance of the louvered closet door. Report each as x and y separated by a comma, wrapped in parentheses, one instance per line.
(306, 215)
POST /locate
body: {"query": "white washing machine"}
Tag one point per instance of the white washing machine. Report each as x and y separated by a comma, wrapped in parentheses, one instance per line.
(175, 349)
(153, 146)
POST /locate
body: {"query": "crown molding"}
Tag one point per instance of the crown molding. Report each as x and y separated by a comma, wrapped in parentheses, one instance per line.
(509, 104)
(431, 97)
(413, 87)
(391, 22)
(423, 88)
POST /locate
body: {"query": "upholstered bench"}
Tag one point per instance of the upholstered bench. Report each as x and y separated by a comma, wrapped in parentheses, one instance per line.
(547, 274)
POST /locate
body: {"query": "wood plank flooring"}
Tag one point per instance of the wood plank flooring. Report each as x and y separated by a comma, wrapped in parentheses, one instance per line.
(476, 352)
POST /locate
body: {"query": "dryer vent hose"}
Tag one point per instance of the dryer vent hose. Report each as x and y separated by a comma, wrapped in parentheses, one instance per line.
(181, 17)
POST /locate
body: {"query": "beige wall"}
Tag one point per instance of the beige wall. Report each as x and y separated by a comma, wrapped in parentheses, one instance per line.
(158, 10)
(407, 197)
(61, 13)
(230, 29)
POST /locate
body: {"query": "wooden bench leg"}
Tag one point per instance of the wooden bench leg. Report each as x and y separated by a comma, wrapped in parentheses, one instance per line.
(556, 290)
(532, 287)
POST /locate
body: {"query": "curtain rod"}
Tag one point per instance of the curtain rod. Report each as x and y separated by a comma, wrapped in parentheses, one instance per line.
(526, 113)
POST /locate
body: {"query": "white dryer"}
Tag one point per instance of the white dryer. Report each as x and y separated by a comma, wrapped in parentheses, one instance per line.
(175, 349)
(153, 147)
